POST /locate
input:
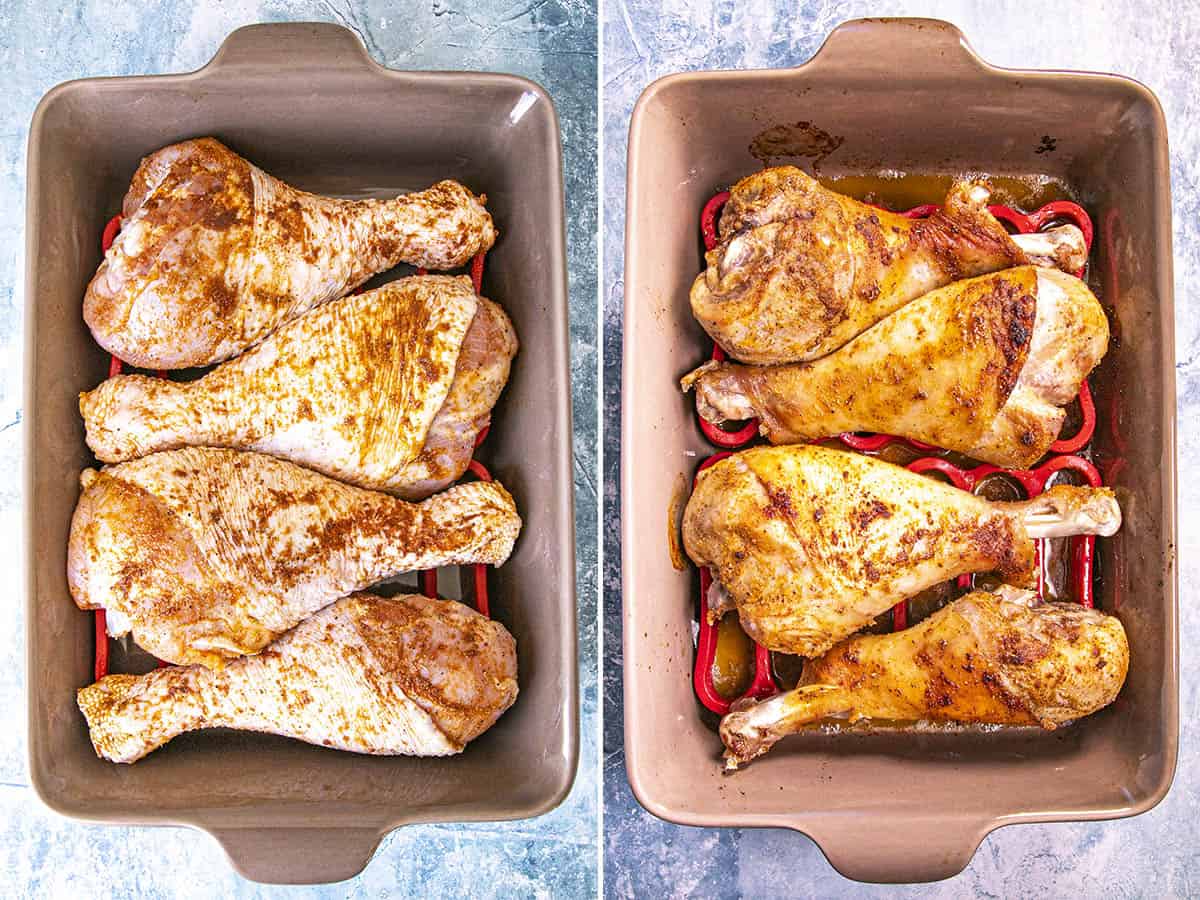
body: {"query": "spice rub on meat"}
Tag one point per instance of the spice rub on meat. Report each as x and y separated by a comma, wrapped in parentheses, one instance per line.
(214, 254)
(406, 675)
(386, 390)
(207, 554)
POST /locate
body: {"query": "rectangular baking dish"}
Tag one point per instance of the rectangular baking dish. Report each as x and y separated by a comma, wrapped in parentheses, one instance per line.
(307, 104)
(905, 95)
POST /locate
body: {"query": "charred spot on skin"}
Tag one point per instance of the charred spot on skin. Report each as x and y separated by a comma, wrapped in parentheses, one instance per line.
(939, 692)
(1016, 652)
(869, 512)
(997, 690)
(779, 505)
(1018, 334)
(995, 541)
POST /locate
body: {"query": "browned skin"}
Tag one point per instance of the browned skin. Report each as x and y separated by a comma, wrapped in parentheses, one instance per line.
(385, 390)
(210, 554)
(407, 675)
(989, 658)
(801, 270)
(981, 366)
(214, 254)
(811, 544)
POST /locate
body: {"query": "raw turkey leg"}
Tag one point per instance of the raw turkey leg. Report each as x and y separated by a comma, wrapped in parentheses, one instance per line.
(407, 675)
(214, 254)
(210, 554)
(385, 390)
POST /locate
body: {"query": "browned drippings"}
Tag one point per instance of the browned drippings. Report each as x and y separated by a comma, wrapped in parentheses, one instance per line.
(1056, 563)
(798, 139)
(931, 600)
(733, 662)
(679, 497)
(787, 669)
(999, 487)
(900, 191)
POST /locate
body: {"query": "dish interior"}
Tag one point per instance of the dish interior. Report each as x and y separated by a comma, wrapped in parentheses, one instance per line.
(345, 127)
(862, 113)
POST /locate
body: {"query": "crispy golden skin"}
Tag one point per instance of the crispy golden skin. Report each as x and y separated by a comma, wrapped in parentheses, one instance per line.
(385, 390)
(407, 675)
(812, 544)
(982, 366)
(209, 554)
(801, 269)
(991, 658)
(214, 254)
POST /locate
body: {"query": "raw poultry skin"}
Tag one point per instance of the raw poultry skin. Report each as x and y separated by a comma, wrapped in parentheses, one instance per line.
(1000, 658)
(811, 544)
(209, 554)
(408, 675)
(982, 366)
(385, 390)
(801, 269)
(214, 254)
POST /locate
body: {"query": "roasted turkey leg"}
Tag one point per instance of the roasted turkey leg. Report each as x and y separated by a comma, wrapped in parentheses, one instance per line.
(407, 675)
(214, 254)
(210, 554)
(982, 366)
(811, 544)
(801, 269)
(998, 658)
(385, 390)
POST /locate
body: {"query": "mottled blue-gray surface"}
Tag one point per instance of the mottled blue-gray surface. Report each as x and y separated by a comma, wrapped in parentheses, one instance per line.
(1157, 43)
(42, 44)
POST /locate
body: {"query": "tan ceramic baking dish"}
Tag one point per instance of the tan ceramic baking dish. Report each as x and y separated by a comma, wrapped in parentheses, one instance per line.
(307, 104)
(911, 96)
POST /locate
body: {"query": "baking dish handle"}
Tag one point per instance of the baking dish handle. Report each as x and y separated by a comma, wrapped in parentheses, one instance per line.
(868, 49)
(303, 46)
(894, 849)
(298, 855)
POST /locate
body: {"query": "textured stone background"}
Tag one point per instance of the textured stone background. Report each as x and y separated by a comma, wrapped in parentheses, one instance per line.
(41, 44)
(1157, 43)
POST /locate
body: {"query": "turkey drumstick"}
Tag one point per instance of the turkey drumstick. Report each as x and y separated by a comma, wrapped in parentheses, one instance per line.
(407, 675)
(1001, 658)
(214, 254)
(386, 390)
(811, 544)
(982, 366)
(801, 269)
(209, 554)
